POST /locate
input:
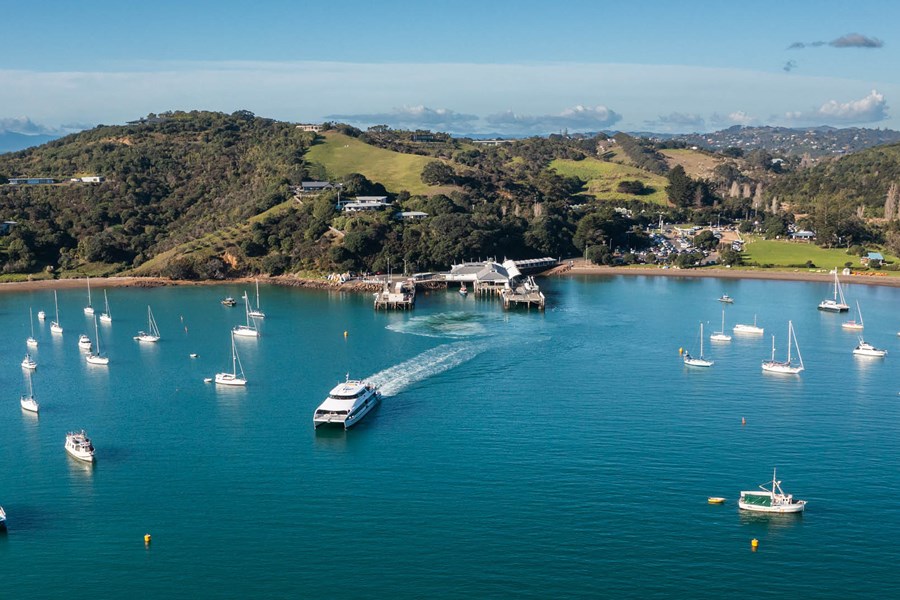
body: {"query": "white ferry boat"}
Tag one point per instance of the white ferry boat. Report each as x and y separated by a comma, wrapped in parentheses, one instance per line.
(347, 403)
(79, 446)
(770, 500)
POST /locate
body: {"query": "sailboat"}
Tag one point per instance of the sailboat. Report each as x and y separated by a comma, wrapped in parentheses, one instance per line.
(28, 363)
(838, 303)
(97, 358)
(153, 334)
(787, 367)
(236, 377)
(106, 316)
(721, 336)
(256, 313)
(752, 329)
(32, 341)
(247, 330)
(692, 361)
(55, 327)
(27, 401)
(89, 310)
(852, 324)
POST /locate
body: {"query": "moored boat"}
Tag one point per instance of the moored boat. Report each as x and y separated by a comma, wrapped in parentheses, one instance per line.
(236, 377)
(247, 330)
(770, 500)
(152, 335)
(742, 328)
(864, 348)
(787, 367)
(229, 301)
(29, 363)
(84, 342)
(836, 304)
(347, 403)
(721, 336)
(726, 299)
(2, 518)
(693, 361)
(79, 446)
(27, 401)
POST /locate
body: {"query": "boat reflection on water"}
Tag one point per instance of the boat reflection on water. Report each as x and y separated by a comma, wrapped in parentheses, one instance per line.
(770, 522)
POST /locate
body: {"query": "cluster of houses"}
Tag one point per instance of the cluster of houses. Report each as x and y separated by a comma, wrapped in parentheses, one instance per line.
(359, 203)
(51, 180)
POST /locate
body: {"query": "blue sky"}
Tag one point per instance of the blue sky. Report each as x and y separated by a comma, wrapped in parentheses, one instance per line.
(507, 67)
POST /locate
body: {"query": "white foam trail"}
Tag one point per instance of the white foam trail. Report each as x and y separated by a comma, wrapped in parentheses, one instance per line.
(394, 380)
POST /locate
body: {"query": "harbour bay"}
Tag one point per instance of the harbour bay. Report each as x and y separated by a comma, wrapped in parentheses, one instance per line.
(564, 453)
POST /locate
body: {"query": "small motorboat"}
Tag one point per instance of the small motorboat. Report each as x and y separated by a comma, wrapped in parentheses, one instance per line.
(726, 299)
(79, 446)
(41, 315)
(2, 518)
(84, 342)
(193, 355)
(29, 363)
(715, 500)
(463, 290)
(207, 380)
(229, 301)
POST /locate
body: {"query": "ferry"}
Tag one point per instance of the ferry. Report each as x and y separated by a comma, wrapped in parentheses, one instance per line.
(347, 403)
(79, 446)
(771, 500)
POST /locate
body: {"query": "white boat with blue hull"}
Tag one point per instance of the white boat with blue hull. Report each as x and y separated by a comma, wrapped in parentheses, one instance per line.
(347, 404)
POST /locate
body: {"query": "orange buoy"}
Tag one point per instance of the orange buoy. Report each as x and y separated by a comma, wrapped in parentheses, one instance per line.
(743, 421)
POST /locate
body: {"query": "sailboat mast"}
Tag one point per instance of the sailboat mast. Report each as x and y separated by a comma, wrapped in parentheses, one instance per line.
(790, 335)
(31, 315)
(97, 335)
(701, 339)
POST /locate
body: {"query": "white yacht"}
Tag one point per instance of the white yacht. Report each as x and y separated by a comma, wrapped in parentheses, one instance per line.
(32, 341)
(742, 328)
(347, 403)
(836, 304)
(41, 315)
(55, 327)
(770, 500)
(84, 342)
(721, 336)
(105, 316)
(79, 446)
(29, 363)
(97, 358)
(866, 349)
(853, 324)
(236, 377)
(787, 367)
(693, 361)
(152, 335)
(27, 401)
(89, 309)
(257, 312)
(247, 330)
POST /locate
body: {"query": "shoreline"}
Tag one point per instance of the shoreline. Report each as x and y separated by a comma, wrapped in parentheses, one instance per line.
(717, 273)
(578, 269)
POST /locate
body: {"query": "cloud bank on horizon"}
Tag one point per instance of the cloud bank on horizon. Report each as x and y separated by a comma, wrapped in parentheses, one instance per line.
(457, 98)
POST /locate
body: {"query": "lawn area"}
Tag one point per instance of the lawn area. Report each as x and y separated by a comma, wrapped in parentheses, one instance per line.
(783, 253)
(603, 177)
(341, 155)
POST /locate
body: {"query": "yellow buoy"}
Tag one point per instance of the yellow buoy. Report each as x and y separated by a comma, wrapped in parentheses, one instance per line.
(754, 544)
(680, 351)
(146, 538)
(346, 334)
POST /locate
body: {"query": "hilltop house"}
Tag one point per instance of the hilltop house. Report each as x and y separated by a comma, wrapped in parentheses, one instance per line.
(366, 203)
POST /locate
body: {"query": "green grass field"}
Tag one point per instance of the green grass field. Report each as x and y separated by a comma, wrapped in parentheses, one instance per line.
(341, 155)
(782, 254)
(603, 177)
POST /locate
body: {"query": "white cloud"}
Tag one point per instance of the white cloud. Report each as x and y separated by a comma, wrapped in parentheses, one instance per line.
(677, 122)
(25, 126)
(870, 109)
(412, 117)
(577, 118)
(739, 117)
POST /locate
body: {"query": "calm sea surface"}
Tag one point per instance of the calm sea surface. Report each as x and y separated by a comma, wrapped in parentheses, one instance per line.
(515, 454)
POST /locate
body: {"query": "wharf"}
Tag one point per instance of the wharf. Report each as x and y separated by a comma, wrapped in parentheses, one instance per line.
(403, 297)
(527, 293)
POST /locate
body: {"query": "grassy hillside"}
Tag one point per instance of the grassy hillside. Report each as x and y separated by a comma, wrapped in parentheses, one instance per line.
(603, 177)
(696, 164)
(341, 155)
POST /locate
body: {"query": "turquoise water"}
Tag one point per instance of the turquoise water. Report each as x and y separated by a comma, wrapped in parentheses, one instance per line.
(558, 454)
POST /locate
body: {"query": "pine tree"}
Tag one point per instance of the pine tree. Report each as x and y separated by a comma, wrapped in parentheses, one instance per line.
(891, 204)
